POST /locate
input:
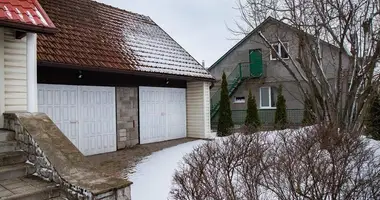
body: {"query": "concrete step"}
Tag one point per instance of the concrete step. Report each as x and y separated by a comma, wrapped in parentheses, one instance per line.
(16, 171)
(41, 194)
(11, 158)
(29, 188)
(59, 198)
(6, 135)
(8, 146)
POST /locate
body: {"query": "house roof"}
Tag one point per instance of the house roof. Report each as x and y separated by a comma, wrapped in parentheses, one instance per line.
(26, 15)
(267, 20)
(96, 36)
(243, 40)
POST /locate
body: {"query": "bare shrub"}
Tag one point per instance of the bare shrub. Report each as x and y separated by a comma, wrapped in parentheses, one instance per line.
(290, 164)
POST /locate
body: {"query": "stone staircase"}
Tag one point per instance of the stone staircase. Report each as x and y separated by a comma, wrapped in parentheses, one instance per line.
(16, 174)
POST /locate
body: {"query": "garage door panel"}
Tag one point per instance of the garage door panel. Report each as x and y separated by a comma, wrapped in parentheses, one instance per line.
(88, 110)
(162, 114)
(112, 141)
(152, 107)
(100, 116)
(51, 99)
(176, 110)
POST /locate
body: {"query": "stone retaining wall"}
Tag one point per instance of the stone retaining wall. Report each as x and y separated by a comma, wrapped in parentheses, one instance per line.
(35, 155)
(46, 170)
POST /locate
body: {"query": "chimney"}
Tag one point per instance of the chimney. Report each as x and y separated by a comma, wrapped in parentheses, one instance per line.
(203, 63)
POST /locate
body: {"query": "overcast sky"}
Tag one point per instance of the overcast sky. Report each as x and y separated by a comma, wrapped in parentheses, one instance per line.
(200, 26)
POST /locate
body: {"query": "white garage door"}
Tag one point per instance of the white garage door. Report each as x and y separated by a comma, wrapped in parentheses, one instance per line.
(162, 114)
(85, 114)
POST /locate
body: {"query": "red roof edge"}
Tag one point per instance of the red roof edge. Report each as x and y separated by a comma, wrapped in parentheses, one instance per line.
(43, 13)
(28, 27)
(30, 9)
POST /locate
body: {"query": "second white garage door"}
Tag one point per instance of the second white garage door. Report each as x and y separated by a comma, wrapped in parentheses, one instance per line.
(85, 114)
(162, 114)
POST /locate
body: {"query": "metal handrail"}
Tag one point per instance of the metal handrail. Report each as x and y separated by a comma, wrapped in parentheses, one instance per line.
(240, 72)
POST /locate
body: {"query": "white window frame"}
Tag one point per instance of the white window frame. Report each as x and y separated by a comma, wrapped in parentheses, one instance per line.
(279, 50)
(239, 101)
(270, 99)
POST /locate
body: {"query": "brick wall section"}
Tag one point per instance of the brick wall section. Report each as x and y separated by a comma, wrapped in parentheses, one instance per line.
(127, 117)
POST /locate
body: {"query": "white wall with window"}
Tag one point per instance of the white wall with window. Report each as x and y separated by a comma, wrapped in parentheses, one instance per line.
(268, 97)
(281, 50)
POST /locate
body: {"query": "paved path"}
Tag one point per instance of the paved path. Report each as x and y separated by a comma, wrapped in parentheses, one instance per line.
(121, 163)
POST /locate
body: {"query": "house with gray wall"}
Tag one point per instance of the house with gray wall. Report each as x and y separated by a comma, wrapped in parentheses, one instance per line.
(251, 65)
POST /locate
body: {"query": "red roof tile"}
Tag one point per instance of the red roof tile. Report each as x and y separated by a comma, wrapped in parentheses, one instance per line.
(25, 14)
(96, 35)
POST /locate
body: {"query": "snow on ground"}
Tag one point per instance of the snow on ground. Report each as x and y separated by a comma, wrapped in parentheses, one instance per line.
(153, 176)
(374, 145)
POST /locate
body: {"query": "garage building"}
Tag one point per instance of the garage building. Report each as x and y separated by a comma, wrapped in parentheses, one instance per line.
(111, 79)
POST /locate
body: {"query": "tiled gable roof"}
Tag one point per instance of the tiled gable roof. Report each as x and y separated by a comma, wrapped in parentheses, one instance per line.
(26, 15)
(96, 35)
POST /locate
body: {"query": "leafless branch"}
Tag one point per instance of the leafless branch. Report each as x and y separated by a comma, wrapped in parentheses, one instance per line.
(350, 29)
(311, 163)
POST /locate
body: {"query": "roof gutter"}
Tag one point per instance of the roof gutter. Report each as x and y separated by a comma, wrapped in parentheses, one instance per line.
(28, 27)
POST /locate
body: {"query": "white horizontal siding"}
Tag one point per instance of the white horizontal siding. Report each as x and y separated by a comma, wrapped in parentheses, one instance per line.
(14, 95)
(15, 79)
(14, 69)
(15, 101)
(15, 89)
(198, 109)
(16, 108)
(14, 51)
(2, 94)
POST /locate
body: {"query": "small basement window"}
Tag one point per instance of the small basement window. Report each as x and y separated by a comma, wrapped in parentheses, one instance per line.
(280, 50)
(239, 100)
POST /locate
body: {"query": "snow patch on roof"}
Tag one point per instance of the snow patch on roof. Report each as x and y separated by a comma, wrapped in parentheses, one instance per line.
(156, 51)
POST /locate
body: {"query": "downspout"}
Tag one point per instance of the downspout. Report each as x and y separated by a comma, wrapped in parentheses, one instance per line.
(31, 68)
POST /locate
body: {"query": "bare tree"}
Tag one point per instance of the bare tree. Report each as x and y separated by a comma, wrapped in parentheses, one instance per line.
(351, 27)
(291, 164)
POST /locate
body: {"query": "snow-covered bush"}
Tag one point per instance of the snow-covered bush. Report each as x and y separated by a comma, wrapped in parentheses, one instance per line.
(308, 163)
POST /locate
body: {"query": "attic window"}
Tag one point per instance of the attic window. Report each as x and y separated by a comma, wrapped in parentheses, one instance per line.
(239, 100)
(280, 49)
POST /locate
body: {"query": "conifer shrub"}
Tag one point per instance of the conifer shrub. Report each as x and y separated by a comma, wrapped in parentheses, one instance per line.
(280, 117)
(225, 122)
(252, 120)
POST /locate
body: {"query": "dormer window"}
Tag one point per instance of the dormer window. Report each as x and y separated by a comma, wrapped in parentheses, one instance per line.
(280, 49)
